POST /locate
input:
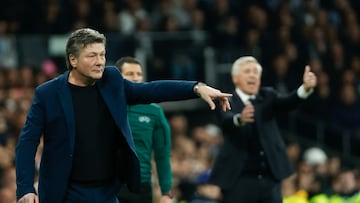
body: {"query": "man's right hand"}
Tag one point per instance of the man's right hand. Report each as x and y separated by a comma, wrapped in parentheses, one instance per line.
(247, 114)
(29, 198)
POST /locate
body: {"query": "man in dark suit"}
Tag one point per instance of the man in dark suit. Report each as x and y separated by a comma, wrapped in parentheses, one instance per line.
(88, 147)
(253, 159)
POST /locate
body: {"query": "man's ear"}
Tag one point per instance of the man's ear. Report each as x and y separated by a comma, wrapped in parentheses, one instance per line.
(234, 79)
(73, 60)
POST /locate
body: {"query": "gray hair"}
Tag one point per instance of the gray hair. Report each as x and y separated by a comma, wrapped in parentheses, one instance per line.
(242, 60)
(79, 39)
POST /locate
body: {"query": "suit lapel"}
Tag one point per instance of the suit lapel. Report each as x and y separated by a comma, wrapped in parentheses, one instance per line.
(110, 96)
(115, 102)
(67, 105)
(237, 104)
(258, 108)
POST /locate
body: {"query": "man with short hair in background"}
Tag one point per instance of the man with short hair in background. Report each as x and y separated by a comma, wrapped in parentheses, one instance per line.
(151, 133)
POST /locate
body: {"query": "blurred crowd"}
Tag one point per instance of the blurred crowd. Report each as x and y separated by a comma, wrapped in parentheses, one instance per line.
(283, 35)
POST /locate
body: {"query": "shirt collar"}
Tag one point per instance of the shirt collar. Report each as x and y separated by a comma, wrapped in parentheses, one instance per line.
(243, 96)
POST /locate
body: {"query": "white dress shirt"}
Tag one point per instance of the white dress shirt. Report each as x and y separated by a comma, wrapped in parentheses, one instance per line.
(245, 98)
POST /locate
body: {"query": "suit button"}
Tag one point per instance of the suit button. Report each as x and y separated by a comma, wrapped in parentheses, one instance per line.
(262, 153)
(260, 177)
(70, 155)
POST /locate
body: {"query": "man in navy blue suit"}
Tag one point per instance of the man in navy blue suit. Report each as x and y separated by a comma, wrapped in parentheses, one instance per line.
(88, 147)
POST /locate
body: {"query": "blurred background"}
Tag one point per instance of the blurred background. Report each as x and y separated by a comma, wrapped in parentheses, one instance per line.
(199, 40)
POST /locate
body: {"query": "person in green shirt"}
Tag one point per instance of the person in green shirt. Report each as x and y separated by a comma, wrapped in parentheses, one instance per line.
(151, 133)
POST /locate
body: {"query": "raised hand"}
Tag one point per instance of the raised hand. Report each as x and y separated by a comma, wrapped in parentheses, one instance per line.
(309, 79)
(247, 114)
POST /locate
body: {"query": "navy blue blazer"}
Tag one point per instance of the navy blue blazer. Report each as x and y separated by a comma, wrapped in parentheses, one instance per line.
(234, 152)
(51, 115)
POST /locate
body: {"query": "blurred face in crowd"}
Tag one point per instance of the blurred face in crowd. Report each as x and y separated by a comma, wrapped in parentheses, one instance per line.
(89, 65)
(247, 78)
(132, 72)
(347, 181)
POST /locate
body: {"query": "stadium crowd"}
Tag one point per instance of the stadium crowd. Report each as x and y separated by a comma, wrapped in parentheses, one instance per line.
(282, 34)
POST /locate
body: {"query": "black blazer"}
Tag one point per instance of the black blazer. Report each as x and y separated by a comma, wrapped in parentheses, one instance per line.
(233, 154)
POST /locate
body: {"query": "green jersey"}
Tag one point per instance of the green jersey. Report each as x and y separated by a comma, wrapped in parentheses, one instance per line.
(151, 133)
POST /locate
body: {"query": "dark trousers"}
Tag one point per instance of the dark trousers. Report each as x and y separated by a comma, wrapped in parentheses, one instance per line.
(85, 194)
(145, 195)
(254, 189)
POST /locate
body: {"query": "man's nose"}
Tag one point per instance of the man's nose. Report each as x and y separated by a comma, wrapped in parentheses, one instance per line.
(137, 78)
(100, 60)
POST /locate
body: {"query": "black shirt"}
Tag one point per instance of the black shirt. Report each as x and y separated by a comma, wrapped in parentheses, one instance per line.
(94, 161)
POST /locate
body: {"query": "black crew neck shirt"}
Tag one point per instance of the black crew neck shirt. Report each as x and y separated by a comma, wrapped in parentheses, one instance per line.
(94, 159)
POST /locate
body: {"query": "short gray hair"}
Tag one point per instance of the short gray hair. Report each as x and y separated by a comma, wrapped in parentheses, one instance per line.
(242, 60)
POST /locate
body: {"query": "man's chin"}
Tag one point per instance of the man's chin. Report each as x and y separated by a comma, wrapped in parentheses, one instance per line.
(252, 91)
(97, 76)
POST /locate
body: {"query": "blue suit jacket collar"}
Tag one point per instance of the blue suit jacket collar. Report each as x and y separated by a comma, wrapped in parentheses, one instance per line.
(67, 105)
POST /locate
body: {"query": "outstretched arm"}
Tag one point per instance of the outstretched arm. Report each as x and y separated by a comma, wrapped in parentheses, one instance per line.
(173, 90)
(290, 101)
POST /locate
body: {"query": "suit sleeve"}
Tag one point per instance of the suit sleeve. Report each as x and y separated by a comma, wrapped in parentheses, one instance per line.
(284, 103)
(228, 120)
(158, 91)
(26, 148)
(162, 150)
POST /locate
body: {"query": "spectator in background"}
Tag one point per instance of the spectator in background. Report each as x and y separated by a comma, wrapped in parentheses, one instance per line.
(51, 19)
(8, 51)
(343, 189)
(217, 14)
(293, 151)
(253, 156)
(352, 34)
(4, 130)
(227, 39)
(355, 67)
(7, 184)
(82, 14)
(252, 44)
(346, 113)
(205, 193)
(129, 17)
(151, 133)
(183, 67)
(316, 158)
(179, 125)
(291, 192)
(281, 78)
(110, 18)
(198, 26)
(334, 165)
(306, 178)
(209, 140)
